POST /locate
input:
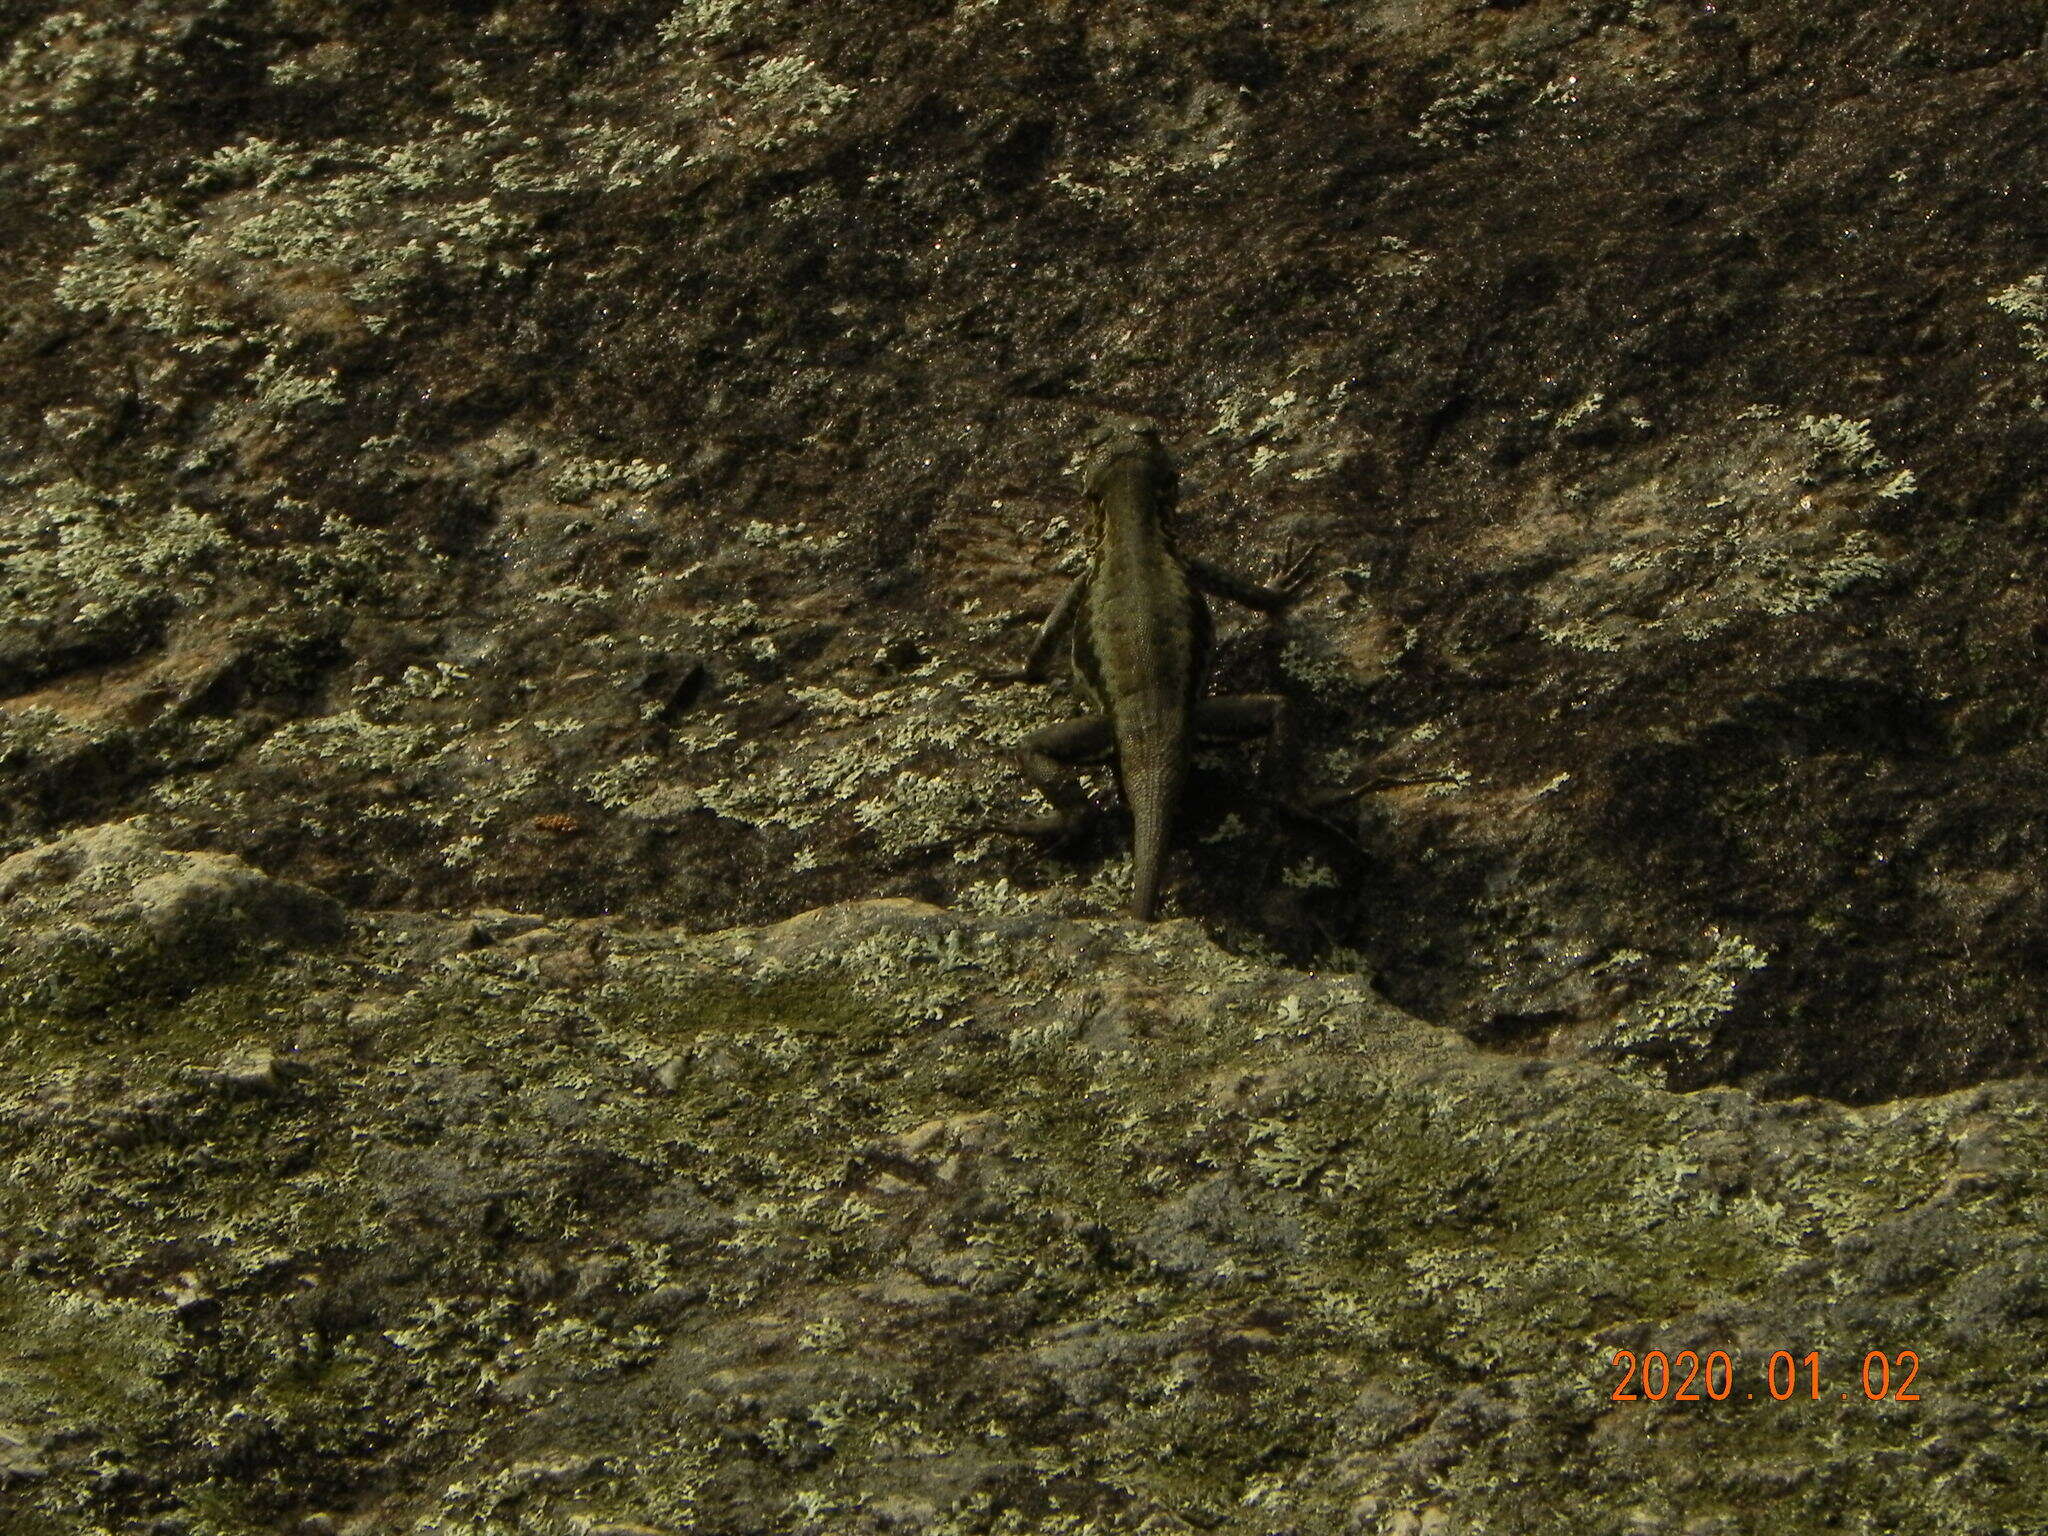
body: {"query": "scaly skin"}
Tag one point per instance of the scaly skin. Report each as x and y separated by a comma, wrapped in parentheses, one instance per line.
(1141, 646)
(1138, 633)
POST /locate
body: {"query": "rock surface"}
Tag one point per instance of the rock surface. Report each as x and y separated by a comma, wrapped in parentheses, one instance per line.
(581, 458)
(108, 915)
(889, 1219)
(503, 505)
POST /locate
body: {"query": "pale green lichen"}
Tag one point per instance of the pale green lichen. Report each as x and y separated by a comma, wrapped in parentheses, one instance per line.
(70, 62)
(1849, 442)
(2027, 302)
(380, 219)
(1313, 662)
(1670, 562)
(702, 21)
(579, 477)
(906, 765)
(282, 390)
(1468, 115)
(105, 565)
(788, 97)
(1574, 415)
(1310, 874)
(1288, 425)
(1680, 1021)
(130, 272)
(1801, 590)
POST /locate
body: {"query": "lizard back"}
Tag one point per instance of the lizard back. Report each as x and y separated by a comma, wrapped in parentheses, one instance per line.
(1141, 645)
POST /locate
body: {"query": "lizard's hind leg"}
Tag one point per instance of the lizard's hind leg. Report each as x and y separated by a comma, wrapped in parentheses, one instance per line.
(1241, 716)
(1047, 758)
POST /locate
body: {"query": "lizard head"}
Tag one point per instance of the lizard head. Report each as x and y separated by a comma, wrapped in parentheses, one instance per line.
(1130, 467)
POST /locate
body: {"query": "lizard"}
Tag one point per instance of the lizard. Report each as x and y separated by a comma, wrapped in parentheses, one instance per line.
(1137, 631)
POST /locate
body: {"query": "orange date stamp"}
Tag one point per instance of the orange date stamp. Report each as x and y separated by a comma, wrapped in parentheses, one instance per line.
(1689, 1377)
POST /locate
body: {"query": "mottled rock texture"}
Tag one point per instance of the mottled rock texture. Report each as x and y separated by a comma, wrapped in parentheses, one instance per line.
(888, 1219)
(488, 482)
(579, 457)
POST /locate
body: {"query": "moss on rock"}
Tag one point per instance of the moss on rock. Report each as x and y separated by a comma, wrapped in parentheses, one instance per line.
(890, 1218)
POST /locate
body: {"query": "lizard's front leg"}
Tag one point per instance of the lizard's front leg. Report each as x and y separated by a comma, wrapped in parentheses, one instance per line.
(1298, 569)
(1055, 632)
(1047, 758)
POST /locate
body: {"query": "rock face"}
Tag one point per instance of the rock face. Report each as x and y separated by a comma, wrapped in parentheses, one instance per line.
(108, 916)
(885, 1218)
(502, 506)
(582, 458)
(121, 874)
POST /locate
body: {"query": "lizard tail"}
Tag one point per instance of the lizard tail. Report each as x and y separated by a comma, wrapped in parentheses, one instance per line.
(1151, 794)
